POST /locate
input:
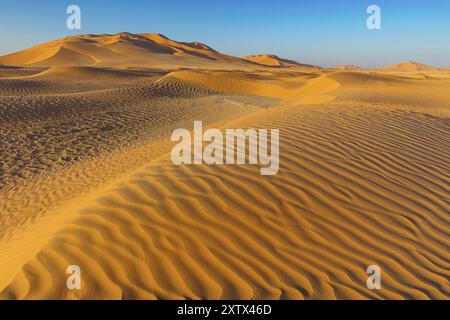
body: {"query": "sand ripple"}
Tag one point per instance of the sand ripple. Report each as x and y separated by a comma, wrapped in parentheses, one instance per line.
(359, 184)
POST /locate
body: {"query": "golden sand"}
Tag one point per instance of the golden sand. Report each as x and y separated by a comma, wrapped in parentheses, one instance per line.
(86, 178)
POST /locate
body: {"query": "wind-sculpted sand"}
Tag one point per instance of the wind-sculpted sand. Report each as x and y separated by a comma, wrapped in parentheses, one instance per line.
(87, 180)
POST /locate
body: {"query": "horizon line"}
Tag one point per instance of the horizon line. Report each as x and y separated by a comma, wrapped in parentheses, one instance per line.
(236, 56)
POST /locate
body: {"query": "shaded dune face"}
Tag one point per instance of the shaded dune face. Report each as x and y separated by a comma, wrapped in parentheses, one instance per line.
(87, 180)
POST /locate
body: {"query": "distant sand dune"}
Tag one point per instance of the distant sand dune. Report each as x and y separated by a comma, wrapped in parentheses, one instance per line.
(275, 61)
(124, 49)
(408, 66)
(363, 180)
(347, 67)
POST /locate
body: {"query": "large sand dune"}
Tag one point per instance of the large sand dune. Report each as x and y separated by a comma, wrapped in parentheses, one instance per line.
(86, 178)
(124, 49)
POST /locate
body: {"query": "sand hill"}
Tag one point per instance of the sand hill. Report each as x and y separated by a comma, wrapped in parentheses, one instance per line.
(275, 61)
(407, 67)
(122, 49)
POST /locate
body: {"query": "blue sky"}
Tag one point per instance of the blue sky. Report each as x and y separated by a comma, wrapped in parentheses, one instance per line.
(323, 32)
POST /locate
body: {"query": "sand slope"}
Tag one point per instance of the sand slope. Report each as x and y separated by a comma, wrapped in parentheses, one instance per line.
(363, 180)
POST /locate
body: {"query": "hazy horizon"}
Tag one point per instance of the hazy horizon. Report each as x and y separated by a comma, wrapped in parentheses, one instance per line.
(323, 33)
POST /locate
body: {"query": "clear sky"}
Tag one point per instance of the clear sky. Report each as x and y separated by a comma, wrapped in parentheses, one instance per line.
(322, 32)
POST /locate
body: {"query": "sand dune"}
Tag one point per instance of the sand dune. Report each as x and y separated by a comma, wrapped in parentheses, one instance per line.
(363, 180)
(124, 49)
(86, 177)
(408, 66)
(273, 60)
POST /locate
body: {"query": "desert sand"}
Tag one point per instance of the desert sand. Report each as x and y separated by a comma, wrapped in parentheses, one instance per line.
(86, 177)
